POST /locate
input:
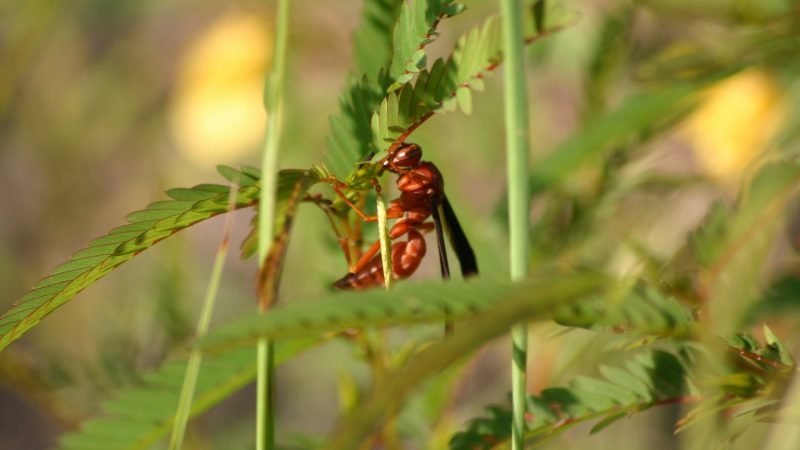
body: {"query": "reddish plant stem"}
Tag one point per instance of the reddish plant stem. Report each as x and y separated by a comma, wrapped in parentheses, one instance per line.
(756, 357)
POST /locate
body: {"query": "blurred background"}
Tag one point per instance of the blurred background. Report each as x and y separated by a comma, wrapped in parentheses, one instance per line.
(104, 105)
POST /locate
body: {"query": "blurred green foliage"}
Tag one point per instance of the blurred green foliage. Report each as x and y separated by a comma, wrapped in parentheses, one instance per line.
(622, 186)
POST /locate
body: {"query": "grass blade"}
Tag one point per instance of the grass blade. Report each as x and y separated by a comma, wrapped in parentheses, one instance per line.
(516, 112)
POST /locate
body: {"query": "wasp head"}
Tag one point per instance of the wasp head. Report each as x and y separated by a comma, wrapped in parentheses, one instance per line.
(407, 156)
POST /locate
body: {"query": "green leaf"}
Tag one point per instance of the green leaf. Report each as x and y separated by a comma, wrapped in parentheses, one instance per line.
(373, 37)
(608, 393)
(777, 346)
(662, 372)
(351, 134)
(464, 99)
(367, 123)
(620, 393)
(535, 302)
(773, 358)
(237, 177)
(446, 85)
(416, 28)
(642, 310)
(138, 417)
(707, 409)
(408, 303)
(634, 385)
(607, 421)
(377, 48)
(159, 221)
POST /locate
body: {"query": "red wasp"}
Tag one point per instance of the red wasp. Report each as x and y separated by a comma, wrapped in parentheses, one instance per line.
(422, 195)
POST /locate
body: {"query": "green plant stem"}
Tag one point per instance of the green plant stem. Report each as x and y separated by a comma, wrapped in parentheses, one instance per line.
(273, 103)
(516, 111)
(265, 393)
(196, 356)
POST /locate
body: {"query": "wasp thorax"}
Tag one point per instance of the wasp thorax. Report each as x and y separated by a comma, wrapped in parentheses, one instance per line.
(406, 157)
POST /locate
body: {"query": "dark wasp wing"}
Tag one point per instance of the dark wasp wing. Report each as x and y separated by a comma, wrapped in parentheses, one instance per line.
(458, 240)
(437, 222)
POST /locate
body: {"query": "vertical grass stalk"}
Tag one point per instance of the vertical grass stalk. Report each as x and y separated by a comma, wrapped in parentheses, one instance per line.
(196, 356)
(516, 119)
(273, 103)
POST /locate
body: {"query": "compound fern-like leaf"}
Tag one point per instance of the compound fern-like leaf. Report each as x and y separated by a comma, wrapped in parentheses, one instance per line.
(408, 303)
(372, 39)
(647, 380)
(641, 311)
(416, 28)
(138, 417)
(753, 380)
(754, 376)
(511, 306)
(351, 134)
(392, 33)
(147, 227)
(447, 84)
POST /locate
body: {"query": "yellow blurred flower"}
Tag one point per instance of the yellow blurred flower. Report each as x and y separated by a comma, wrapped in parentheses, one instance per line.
(216, 113)
(735, 123)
